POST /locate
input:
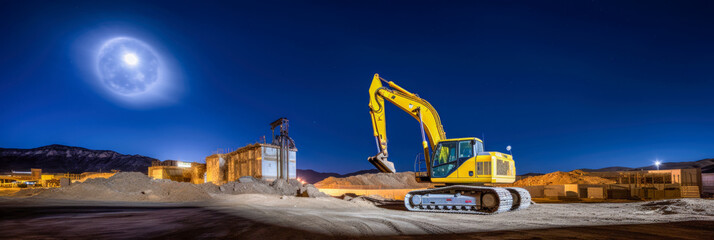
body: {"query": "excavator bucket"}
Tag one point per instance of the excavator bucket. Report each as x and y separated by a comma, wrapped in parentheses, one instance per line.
(382, 164)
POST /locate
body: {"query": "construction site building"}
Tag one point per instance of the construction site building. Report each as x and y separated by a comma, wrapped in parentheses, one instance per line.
(267, 161)
(178, 171)
(13, 178)
(257, 160)
(36, 178)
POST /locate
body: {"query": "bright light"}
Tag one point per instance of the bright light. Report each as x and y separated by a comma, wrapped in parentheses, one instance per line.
(657, 163)
(301, 181)
(131, 59)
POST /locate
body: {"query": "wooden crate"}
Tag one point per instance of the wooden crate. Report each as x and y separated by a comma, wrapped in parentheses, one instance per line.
(690, 191)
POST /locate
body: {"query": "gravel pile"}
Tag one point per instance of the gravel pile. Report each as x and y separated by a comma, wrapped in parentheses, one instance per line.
(679, 206)
(374, 181)
(135, 186)
(246, 185)
(554, 178)
(126, 186)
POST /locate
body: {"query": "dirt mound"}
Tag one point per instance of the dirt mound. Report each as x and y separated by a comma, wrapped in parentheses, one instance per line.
(310, 190)
(247, 185)
(574, 177)
(374, 181)
(679, 206)
(209, 188)
(97, 175)
(135, 186)
(126, 186)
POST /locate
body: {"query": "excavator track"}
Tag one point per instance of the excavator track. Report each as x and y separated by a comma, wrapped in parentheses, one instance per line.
(462, 199)
(521, 198)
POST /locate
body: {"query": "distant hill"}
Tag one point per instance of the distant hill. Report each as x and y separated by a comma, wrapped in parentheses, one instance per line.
(530, 174)
(707, 166)
(607, 169)
(66, 159)
(312, 176)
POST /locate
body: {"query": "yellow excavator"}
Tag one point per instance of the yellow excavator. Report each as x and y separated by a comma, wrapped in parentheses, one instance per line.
(459, 165)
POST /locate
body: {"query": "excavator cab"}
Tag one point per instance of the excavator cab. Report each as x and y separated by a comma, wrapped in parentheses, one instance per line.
(464, 161)
(450, 154)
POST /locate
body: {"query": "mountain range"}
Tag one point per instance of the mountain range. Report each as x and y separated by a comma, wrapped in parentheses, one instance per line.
(65, 159)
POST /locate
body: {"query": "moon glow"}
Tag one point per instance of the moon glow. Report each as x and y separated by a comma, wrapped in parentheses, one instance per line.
(131, 59)
(127, 66)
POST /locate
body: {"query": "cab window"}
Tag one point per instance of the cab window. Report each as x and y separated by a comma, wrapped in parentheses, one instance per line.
(444, 159)
(465, 149)
(479, 147)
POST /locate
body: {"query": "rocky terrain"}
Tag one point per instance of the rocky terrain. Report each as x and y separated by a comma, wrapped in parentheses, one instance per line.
(66, 159)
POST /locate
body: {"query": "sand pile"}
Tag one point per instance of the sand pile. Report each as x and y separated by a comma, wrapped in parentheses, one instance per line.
(125, 186)
(134, 186)
(97, 175)
(574, 177)
(246, 185)
(374, 181)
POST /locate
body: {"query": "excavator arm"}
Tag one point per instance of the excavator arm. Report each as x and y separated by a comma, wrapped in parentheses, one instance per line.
(431, 129)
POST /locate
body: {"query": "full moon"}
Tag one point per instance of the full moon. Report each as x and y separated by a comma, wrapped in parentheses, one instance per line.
(131, 59)
(127, 66)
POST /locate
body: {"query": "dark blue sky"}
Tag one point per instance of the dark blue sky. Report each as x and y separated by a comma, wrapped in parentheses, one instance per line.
(569, 84)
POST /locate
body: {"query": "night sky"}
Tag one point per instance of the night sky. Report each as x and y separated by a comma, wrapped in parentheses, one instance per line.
(569, 84)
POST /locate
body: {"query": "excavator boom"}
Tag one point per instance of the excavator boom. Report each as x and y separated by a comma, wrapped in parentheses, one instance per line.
(431, 128)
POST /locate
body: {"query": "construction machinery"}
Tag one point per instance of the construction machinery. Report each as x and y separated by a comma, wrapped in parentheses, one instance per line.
(459, 165)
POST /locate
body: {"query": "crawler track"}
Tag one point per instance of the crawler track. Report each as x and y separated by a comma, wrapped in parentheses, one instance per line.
(521, 198)
(463, 199)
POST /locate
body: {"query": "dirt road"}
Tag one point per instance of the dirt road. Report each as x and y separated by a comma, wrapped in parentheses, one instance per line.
(255, 216)
(334, 217)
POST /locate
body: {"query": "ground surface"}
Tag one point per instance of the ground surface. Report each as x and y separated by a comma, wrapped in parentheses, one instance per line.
(257, 216)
